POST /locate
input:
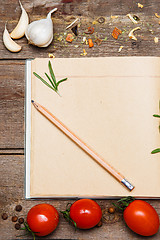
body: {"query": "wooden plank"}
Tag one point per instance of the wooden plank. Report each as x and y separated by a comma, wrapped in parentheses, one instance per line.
(12, 104)
(12, 193)
(88, 13)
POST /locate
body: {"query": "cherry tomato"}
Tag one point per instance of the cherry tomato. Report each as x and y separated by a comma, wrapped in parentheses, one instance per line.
(42, 219)
(86, 213)
(141, 218)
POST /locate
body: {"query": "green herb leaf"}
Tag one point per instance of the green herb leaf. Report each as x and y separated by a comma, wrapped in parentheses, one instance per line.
(124, 202)
(52, 73)
(156, 151)
(54, 85)
(44, 81)
(62, 80)
(50, 80)
(156, 115)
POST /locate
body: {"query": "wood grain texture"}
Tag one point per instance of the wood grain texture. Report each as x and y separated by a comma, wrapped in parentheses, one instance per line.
(12, 93)
(88, 13)
(12, 85)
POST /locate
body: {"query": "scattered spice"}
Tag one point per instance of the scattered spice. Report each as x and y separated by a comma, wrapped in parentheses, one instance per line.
(18, 208)
(111, 210)
(158, 16)
(17, 226)
(140, 5)
(84, 40)
(101, 19)
(116, 33)
(120, 48)
(14, 219)
(90, 42)
(90, 30)
(98, 41)
(131, 35)
(114, 17)
(50, 55)
(84, 53)
(60, 38)
(4, 216)
(21, 220)
(156, 39)
(131, 18)
(94, 22)
(69, 37)
(136, 18)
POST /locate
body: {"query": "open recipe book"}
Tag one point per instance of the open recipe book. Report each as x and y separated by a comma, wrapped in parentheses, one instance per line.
(107, 102)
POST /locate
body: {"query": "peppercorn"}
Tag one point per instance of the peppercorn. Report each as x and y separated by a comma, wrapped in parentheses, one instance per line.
(18, 208)
(4, 216)
(21, 220)
(101, 19)
(111, 210)
(17, 226)
(14, 219)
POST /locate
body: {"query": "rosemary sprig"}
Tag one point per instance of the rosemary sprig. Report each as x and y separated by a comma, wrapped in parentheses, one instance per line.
(156, 115)
(157, 150)
(54, 84)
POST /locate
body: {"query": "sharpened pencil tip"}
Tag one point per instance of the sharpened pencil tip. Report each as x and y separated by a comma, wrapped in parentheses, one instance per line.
(32, 101)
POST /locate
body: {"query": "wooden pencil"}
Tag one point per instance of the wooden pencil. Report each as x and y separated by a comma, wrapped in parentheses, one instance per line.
(83, 145)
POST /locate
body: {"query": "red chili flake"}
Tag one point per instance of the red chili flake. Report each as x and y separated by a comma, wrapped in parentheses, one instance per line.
(116, 32)
(90, 42)
(98, 41)
(90, 30)
(69, 38)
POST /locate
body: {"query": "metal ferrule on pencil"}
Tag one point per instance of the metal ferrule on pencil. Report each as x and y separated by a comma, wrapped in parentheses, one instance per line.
(127, 184)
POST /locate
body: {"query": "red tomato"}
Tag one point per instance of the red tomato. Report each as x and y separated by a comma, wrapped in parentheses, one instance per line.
(42, 219)
(86, 213)
(141, 218)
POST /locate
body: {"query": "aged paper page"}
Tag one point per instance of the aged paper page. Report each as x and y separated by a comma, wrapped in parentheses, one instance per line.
(108, 103)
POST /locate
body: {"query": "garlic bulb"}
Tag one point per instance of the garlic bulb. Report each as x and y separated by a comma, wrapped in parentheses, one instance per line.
(40, 32)
(21, 27)
(9, 43)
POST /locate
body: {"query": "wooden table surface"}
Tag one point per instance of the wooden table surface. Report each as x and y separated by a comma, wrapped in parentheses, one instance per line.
(12, 93)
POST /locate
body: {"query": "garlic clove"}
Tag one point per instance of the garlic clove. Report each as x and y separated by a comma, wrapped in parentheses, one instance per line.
(48, 43)
(40, 32)
(9, 43)
(21, 27)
